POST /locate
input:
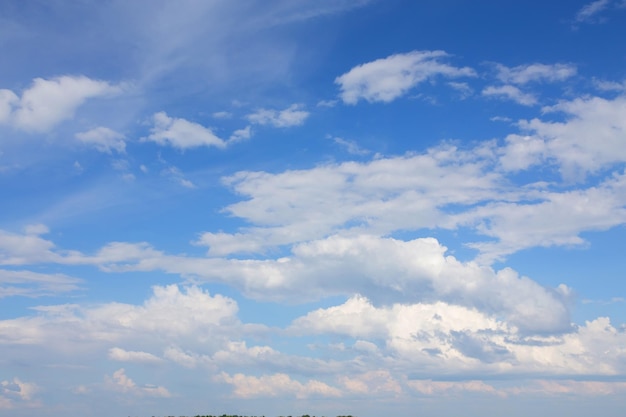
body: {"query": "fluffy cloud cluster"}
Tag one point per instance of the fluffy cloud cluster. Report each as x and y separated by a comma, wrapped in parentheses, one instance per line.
(416, 191)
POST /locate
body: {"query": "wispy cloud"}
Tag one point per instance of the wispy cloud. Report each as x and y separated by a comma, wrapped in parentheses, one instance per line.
(589, 12)
(103, 139)
(289, 117)
(510, 92)
(524, 74)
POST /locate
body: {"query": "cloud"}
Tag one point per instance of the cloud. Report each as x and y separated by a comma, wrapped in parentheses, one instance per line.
(379, 196)
(589, 12)
(181, 133)
(464, 89)
(222, 115)
(17, 393)
(389, 78)
(555, 220)
(35, 284)
(276, 385)
(371, 383)
(121, 355)
(510, 92)
(241, 135)
(382, 269)
(350, 146)
(29, 247)
(430, 387)
(448, 339)
(120, 382)
(171, 315)
(291, 116)
(177, 175)
(103, 139)
(610, 85)
(524, 74)
(49, 102)
(589, 139)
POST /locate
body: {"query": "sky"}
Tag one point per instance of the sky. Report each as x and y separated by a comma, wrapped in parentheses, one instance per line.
(286, 207)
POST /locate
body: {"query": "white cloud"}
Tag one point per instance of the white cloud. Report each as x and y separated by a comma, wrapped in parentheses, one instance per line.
(524, 74)
(588, 13)
(448, 339)
(389, 78)
(8, 100)
(169, 316)
(49, 102)
(510, 92)
(463, 88)
(35, 284)
(222, 115)
(20, 249)
(276, 385)
(241, 135)
(350, 146)
(571, 387)
(186, 359)
(17, 393)
(382, 269)
(371, 383)
(589, 139)
(103, 139)
(327, 103)
(555, 220)
(380, 195)
(610, 85)
(430, 387)
(291, 116)
(120, 382)
(177, 175)
(181, 133)
(121, 355)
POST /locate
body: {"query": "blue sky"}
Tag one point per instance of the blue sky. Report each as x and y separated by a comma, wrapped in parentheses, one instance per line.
(327, 207)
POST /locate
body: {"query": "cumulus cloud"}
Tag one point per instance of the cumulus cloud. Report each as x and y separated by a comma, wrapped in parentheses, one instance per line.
(371, 383)
(121, 355)
(49, 102)
(29, 247)
(276, 385)
(121, 383)
(103, 139)
(389, 78)
(291, 116)
(510, 92)
(430, 387)
(181, 133)
(17, 393)
(589, 139)
(382, 269)
(449, 339)
(380, 195)
(171, 315)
